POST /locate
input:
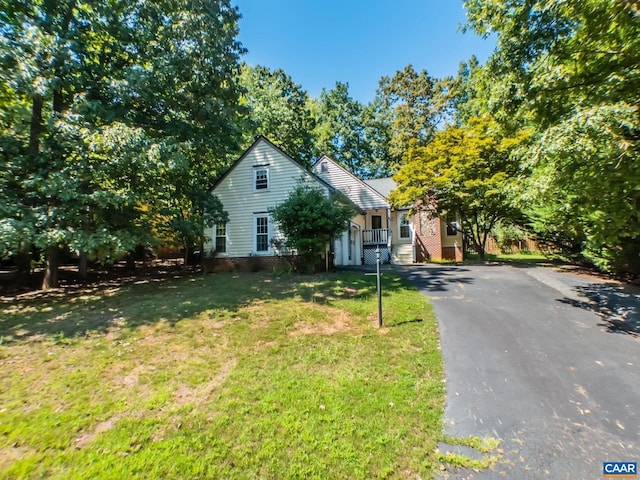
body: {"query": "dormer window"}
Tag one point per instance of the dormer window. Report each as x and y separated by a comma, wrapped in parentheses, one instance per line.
(261, 178)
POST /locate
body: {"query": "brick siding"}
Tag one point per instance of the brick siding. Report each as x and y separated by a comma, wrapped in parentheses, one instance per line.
(428, 237)
(452, 253)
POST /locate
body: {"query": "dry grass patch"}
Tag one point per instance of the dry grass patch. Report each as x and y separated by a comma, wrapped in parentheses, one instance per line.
(323, 321)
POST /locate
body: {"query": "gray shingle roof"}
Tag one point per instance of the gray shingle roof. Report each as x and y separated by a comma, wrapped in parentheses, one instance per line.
(383, 186)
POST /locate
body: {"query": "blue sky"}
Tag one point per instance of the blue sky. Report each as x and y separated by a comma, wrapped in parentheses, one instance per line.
(319, 42)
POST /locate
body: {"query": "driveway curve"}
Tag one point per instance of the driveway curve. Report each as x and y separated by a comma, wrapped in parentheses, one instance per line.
(545, 360)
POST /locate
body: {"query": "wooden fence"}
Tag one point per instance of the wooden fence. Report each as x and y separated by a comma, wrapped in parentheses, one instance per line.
(517, 246)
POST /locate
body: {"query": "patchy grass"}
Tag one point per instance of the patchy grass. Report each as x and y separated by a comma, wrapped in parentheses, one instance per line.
(463, 462)
(221, 376)
(482, 453)
(483, 445)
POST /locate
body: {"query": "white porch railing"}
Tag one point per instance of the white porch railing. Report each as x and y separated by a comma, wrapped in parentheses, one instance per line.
(379, 236)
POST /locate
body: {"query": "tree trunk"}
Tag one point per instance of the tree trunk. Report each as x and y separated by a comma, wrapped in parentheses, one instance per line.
(187, 255)
(477, 242)
(201, 259)
(131, 262)
(83, 263)
(50, 279)
(36, 126)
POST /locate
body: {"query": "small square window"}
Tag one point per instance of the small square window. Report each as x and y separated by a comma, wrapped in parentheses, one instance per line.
(261, 178)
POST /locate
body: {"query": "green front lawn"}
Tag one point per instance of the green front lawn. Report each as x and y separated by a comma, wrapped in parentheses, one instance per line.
(221, 376)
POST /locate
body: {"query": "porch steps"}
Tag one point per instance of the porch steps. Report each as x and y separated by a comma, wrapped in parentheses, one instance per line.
(402, 254)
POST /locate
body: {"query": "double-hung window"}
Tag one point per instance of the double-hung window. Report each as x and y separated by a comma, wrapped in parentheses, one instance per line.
(221, 238)
(405, 226)
(261, 233)
(261, 178)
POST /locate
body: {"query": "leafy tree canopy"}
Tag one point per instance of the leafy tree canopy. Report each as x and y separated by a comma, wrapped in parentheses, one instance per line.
(468, 92)
(355, 135)
(465, 169)
(339, 132)
(278, 108)
(107, 119)
(415, 101)
(573, 69)
(558, 54)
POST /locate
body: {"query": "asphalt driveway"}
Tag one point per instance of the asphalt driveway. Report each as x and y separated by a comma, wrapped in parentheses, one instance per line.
(546, 361)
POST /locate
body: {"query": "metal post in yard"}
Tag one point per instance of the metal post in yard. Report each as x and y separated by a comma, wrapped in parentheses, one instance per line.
(378, 253)
(378, 274)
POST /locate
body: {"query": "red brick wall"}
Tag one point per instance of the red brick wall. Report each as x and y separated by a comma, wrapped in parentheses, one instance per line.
(428, 237)
(452, 253)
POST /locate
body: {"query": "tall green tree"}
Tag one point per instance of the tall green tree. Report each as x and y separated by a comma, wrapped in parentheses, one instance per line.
(185, 95)
(339, 131)
(416, 105)
(377, 119)
(123, 100)
(278, 108)
(469, 92)
(467, 170)
(574, 68)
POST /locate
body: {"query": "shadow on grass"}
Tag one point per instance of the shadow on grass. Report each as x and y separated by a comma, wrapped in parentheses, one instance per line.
(617, 305)
(399, 324)
(75, 313)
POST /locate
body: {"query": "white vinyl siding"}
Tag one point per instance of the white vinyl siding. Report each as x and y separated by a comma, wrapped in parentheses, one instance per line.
(355, 189)
(241, 200)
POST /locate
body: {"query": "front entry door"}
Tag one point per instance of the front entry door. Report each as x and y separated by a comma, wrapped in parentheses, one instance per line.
(354, 246)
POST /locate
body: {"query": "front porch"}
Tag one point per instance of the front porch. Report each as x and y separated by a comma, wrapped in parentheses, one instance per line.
(377, 236)
(374, 239)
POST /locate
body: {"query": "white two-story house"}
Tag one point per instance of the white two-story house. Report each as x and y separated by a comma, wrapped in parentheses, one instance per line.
(265, 175)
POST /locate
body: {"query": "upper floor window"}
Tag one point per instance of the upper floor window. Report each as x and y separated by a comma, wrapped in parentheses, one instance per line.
(261, 178)
(405, 226)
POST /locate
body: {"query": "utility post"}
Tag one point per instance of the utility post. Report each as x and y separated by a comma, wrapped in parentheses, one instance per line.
(378, 274)
(378, 253)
